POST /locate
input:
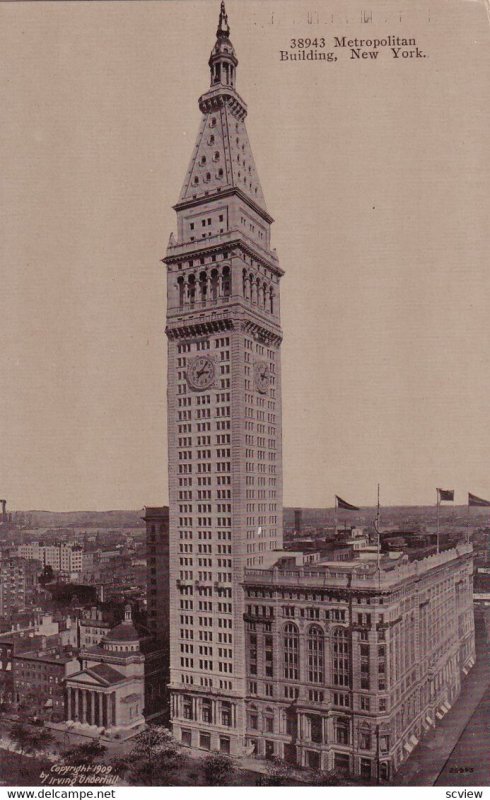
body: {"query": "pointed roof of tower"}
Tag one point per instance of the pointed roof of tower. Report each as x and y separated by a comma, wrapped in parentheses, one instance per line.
(222, 158)
(223, 27)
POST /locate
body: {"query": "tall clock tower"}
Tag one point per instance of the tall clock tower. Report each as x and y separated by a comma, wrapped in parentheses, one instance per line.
(224, 412)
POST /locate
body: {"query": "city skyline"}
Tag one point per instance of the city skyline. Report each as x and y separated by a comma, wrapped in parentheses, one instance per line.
(384, 359)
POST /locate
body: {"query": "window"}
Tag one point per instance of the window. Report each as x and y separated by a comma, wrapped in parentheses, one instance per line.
(366, 768)
(384, 771)
(226, 714)
(316, 729)
(341, 763)
(315, 648)
(207, 714)
(253, 720)
(365, 703)
(186, 737)
(224, 744)
(204, 740)
(291, 652)
(342, 731)
(341, 657)
(269, 750)
(188, 714)
(365, 739)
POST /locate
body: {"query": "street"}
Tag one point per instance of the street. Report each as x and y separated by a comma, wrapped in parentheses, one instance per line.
(448, 753)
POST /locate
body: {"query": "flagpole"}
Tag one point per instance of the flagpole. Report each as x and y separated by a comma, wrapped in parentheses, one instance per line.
(335, 515)
(378, 553)
(438, 506)
(468, 522)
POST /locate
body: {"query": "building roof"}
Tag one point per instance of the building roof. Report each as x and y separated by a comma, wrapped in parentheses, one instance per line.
(107, 673)
(125, 632)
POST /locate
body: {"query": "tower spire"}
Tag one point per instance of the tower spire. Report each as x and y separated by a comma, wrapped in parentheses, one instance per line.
(223, 61)
(223, 27)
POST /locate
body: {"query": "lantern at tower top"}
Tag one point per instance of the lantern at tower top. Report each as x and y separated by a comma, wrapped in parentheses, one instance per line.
(223, 62)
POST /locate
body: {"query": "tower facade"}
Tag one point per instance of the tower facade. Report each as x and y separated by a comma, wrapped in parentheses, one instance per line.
(224, 412)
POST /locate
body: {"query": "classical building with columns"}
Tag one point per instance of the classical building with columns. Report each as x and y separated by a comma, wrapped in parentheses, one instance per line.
(119, 686)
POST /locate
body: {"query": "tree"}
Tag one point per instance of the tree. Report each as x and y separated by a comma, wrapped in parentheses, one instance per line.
(278, 774)
(84, 754)
(33, 703)
(153, 759)
(332, 778)
(47, 575)
(218, 769)
(30, 741)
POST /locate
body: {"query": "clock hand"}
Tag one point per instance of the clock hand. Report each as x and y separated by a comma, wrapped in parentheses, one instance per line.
(202, 371)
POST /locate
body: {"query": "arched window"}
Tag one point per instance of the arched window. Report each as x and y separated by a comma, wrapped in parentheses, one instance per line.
(214, 285)
(245, 285)
(291, 652)
(253, 288)
(341, 657)
(203, 287)
(226, 282)
(271, 301)
(315, 654)
(191, 288)
(180, 283)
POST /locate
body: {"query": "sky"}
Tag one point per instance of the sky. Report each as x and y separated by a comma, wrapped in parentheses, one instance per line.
(377, 174)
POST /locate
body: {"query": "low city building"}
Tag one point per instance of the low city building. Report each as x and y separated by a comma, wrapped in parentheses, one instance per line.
(18, 584)
(39, 675)
(94, 626)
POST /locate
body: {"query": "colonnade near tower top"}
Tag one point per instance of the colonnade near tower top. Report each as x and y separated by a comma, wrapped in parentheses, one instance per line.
(210, 287)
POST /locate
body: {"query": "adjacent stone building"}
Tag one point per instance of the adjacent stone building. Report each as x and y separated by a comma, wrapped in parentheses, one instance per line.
(158, 585)
(347, 665)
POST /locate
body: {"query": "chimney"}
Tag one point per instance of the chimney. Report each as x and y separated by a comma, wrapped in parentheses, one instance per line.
(4, 511)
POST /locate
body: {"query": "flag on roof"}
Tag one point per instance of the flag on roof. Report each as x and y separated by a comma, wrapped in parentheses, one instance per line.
(473, 500)
(446, 494)
(344, 504)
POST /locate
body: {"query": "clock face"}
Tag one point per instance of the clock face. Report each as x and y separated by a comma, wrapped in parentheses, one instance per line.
(261, 376)
(201, 373)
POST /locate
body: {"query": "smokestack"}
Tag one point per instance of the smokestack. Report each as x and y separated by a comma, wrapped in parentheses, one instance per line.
(4, 511)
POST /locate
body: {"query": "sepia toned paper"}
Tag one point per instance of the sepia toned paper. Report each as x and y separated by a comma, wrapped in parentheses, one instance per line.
(374, 160)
